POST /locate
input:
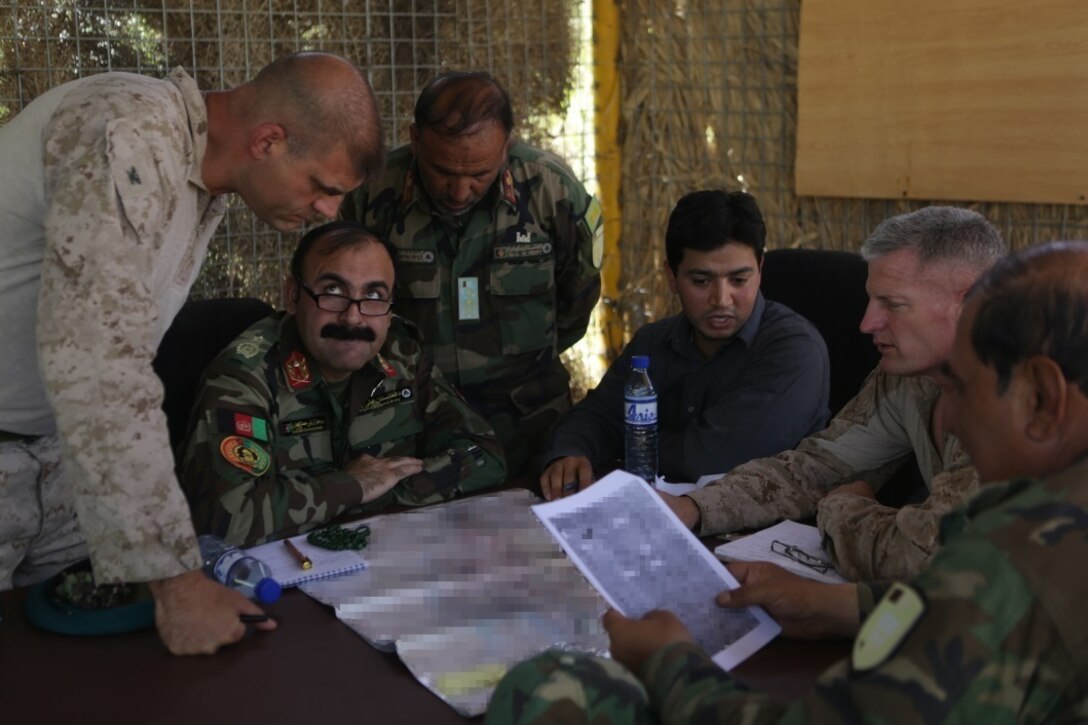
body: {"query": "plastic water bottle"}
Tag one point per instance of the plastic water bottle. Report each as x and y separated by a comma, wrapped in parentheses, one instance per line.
(640, 421)
(236, 569)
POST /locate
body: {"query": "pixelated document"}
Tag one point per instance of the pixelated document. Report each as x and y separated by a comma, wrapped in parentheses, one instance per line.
(640, 557)
(465, 590)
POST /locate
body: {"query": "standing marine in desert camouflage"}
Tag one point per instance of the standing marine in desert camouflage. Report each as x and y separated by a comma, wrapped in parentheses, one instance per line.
(111, 187)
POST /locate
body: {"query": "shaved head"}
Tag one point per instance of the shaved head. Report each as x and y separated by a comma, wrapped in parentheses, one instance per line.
(322, 101)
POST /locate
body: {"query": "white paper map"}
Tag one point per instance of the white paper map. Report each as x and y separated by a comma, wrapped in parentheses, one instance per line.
(640, 557)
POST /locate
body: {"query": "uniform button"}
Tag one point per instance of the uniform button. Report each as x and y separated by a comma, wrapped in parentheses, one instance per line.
(691, 408)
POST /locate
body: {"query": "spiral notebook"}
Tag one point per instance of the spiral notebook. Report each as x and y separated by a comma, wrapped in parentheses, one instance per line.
(289, 573)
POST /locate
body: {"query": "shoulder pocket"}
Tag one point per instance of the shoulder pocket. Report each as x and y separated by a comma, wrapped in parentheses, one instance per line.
(135, 173)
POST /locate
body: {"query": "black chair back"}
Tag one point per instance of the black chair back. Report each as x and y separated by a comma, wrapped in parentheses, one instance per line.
(199, 332)
(827, 287)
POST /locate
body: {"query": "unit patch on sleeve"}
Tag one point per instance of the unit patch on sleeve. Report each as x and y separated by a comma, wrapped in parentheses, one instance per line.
(594, 229)
(886, 628)
(245, 454)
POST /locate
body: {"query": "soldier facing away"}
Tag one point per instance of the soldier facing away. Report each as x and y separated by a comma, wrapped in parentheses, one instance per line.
(330, 408)
(992, 631)
(499, 250)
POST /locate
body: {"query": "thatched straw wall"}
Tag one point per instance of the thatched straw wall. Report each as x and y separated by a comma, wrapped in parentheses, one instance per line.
(710, 99)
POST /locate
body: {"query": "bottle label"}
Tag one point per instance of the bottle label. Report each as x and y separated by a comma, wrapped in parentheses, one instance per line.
(225, 562)
(640, 411)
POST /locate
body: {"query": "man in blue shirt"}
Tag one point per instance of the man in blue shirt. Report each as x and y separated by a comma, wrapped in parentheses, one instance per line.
(737, 376)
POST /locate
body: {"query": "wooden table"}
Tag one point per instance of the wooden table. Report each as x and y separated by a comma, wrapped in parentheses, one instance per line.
(311, 669)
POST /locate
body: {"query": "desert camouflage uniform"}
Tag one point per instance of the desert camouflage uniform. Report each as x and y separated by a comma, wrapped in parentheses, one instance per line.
(104, 221)
(533, 247)
(890, 418)
(263, 395)
(1001, 638)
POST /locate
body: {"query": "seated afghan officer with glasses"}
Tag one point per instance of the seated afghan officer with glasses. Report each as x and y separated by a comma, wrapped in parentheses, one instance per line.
(329, 408)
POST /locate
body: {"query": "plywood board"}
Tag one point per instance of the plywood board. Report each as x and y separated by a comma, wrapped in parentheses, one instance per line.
(944, 99)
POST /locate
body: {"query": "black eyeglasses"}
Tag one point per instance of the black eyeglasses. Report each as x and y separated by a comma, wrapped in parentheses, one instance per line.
(801, 556)
(369, 306)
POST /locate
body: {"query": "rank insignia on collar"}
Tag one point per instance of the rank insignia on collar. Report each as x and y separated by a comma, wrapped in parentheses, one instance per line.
(248, 349)
(508, 188)
(388, 369)
(406, 194)
(298, 371)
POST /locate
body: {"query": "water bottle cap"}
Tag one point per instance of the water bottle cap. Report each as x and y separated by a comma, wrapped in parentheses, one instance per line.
(267, 590)
(640, 362)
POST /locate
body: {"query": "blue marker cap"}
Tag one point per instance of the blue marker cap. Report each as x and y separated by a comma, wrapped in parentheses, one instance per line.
(267, 590)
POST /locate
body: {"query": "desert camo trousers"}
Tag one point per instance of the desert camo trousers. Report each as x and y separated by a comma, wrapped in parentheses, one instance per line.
(39, 534)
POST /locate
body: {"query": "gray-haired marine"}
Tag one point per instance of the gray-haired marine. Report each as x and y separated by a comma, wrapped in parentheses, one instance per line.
(921, 265)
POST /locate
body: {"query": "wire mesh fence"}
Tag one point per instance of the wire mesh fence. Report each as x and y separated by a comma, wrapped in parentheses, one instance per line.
(532, 47)
(709, 99)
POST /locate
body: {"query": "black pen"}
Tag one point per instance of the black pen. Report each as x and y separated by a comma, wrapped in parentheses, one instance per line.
(252, 618)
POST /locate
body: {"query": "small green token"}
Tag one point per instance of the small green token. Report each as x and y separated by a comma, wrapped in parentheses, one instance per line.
(337, 538)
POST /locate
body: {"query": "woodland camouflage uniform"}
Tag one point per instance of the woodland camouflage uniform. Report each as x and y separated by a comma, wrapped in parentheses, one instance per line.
(531, 247)
(269, 437)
